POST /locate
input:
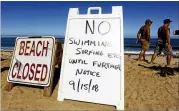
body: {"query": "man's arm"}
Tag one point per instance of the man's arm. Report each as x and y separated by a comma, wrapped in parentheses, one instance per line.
(168, 38)
(138, 35)
(148, 34)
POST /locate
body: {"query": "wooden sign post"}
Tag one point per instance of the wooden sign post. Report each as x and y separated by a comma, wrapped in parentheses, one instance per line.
(57, 61)
(93, 59)
(33, 62)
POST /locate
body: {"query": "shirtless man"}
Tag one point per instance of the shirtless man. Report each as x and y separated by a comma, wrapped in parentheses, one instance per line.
(143, 36)
(163, 43)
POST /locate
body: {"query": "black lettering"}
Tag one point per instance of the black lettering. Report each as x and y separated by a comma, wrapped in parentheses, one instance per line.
(71, 41)
(86, 52)
(87, 72)
(112, 66)
(89, 86)
(79, 61)
(78, 85)
(99, 64)
(78, 51)
(73, 61)
(118, 67)
(85, 62)
(95, 87)
(106, 65)
(86, 42)
(79, 72)
(93, 42)
(81, 86)
(89, 42)
(72, 83)
(77, 42)
(109, 55)
(94, 63)
(91, 73)
(97, 74)
(86, 87)
(103, 44)
(87, 25)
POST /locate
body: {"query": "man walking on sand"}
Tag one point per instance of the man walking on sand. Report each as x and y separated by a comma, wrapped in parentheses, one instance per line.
(163, 43)
(143, 36)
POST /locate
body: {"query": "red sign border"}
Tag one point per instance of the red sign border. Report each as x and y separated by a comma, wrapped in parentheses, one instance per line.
(29, 83)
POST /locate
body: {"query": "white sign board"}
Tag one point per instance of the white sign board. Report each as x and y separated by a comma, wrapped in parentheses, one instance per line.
(93, 60)
(32, 61)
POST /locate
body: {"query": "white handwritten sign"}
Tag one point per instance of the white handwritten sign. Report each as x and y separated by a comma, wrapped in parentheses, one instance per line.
(93, 61)
(32, 61)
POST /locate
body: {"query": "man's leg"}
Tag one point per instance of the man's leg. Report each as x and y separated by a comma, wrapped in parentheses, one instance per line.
(169, 53)
(153, 57)
(168, 59)
(144, 56)
(147, 44)
(168, 68)
(157, 50)
(144, 47)
(141, 55)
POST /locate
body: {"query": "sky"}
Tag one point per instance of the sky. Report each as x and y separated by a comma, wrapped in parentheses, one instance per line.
(50, 18)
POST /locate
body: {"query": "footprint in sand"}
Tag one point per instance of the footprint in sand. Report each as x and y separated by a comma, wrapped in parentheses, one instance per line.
(21, 91)
(134, 95)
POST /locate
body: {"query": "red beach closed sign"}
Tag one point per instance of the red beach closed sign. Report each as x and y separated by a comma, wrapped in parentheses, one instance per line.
(32, 61)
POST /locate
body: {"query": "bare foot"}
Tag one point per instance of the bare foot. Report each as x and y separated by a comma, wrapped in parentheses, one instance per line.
(168, 66)
(151, 62)
(139, 60)
(146, 60)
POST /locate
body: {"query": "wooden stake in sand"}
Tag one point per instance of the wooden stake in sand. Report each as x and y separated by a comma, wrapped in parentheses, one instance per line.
(33, 62)
(57, 61)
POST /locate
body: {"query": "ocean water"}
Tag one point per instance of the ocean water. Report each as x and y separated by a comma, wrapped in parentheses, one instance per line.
(130, 46)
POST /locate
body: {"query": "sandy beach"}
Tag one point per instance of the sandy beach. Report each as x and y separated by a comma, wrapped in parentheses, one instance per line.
(145, 89)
